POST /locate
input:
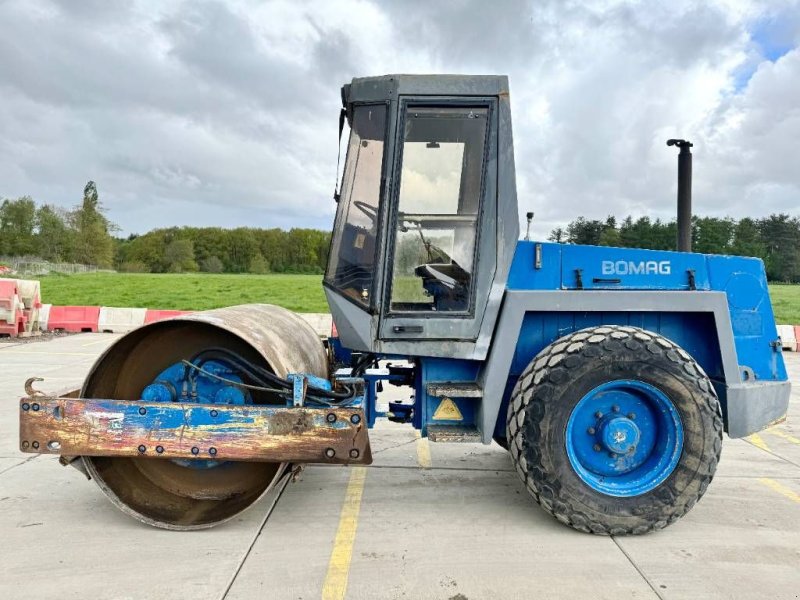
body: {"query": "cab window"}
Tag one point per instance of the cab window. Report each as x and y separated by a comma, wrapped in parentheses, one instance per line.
(351, 265)
(438, 208)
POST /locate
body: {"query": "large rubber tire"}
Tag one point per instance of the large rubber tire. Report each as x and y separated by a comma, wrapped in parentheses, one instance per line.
(565, 372)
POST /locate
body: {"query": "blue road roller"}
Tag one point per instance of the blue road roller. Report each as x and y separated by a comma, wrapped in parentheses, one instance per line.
(609, 374)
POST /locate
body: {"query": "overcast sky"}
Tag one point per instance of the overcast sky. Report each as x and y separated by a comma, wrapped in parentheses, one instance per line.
(225, 113)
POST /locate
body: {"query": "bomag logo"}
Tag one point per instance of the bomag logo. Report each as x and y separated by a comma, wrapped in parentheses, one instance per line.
(631, 267)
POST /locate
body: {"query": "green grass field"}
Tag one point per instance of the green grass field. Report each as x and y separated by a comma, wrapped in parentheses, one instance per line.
(300, 293)
(786, 303)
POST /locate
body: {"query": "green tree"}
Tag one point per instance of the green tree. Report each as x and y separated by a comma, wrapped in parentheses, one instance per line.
(781, 236)
(644, 233)
(53, 236)
(148, 249)
(558, 235)
(259, 264)
(93, 243)
(712, 235)
(17, 223)
(585, 232)
(212, 264)
(609, 236)
(747, 239)
(242, 247)
(179, 255)
(664, 235)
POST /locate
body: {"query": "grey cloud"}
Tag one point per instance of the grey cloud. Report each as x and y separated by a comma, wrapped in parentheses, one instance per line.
(225, 113)
(219, 48)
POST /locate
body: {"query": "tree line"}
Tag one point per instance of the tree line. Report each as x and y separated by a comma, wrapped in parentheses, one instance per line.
(775, 239)
(85, 235)
(81, 235)
(217, 250)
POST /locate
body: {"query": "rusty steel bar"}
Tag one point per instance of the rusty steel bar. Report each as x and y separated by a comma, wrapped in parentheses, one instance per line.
(190, 431)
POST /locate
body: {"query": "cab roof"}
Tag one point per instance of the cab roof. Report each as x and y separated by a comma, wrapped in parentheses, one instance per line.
(389, 87)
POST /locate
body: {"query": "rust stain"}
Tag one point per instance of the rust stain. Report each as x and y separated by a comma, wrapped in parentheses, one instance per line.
(248, 433)
(290, 422)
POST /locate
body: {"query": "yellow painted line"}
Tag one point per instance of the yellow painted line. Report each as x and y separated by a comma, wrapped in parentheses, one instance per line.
(335, 584)
(781, 489)
(423, 452)
(758, 441)
(783, 435)
(103, 341)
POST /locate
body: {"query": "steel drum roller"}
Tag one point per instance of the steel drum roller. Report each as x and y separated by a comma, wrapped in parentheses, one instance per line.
(172, 494)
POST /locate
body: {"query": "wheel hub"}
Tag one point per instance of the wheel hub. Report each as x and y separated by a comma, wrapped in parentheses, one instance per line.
(624, 437)
(618, 434)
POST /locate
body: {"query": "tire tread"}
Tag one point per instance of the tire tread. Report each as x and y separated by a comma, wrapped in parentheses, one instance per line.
(549, 369)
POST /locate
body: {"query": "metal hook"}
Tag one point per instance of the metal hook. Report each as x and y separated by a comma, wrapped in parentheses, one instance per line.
(29, 387)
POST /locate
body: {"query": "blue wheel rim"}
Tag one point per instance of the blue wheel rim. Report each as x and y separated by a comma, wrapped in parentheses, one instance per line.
(624, 438)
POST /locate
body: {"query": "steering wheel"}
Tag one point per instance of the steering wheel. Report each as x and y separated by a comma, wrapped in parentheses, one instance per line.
(367, 209)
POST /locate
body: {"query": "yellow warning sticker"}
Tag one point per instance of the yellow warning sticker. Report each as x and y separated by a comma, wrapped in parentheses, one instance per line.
(447, 411)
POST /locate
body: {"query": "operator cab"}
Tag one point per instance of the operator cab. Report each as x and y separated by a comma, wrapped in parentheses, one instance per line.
(426, 221)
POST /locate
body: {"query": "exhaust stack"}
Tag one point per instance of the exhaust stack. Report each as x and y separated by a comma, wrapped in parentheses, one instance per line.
(684, 241)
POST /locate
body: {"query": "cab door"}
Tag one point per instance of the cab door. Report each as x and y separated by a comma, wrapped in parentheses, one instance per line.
(440, 257)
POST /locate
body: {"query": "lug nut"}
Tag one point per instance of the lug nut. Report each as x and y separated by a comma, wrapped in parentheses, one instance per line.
(331, 418)
(25, 406)
(142, 449)
(214, 412)
(590, 431)
(355, 419)
(597, 447)
(25, 445)
(35, 445)
(615, 408)
(195, 450)
(160, 449)
(35, 406)
(353, 453)
(212, 451)
(631, 416)
(598, 415)
(330, 453)
(142, 411)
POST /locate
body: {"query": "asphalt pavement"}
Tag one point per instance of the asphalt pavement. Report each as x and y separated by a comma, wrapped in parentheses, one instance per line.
(426, 520)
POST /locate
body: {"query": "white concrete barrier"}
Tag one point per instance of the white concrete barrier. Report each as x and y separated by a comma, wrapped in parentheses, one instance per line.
(321, 322)
(9, 308)
(32, 323)
(30, 292)
(10, 305)
(788, 340)
(44, 316)
(120, 320)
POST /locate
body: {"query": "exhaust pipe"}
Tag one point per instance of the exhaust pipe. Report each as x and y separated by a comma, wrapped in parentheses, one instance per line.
(684, 242)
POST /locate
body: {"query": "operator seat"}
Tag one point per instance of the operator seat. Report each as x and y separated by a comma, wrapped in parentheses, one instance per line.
(448, 283)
